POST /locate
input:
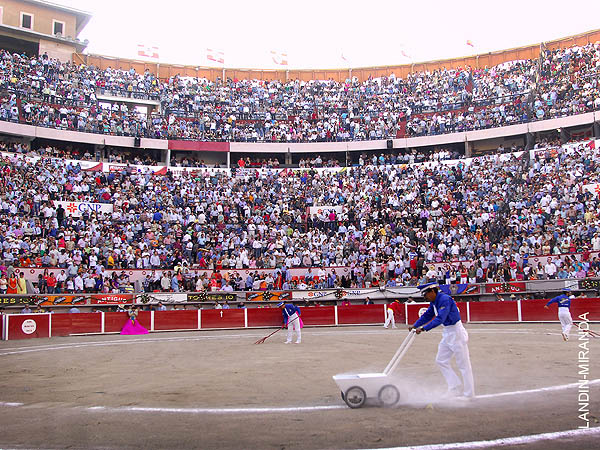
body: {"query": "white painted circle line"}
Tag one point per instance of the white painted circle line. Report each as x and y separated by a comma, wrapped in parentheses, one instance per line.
(503, 442)
(45, 347)
(267, 410)
(228, 410)
(534, 391)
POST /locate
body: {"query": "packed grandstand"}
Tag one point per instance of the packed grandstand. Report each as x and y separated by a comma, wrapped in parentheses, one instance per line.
(63, 95)
(392, 219)
(391, 224)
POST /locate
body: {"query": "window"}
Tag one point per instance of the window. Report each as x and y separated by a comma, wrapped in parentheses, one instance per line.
(58, 27)
(27, 20)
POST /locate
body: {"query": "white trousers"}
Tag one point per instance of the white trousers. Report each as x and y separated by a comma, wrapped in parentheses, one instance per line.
(454, 343)
(564, 315)
(389, 318)
(293, 325)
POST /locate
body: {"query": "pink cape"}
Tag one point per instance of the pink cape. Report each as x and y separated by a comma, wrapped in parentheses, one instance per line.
(133, 328)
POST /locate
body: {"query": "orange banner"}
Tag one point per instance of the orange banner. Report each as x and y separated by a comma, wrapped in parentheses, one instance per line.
(53, 300)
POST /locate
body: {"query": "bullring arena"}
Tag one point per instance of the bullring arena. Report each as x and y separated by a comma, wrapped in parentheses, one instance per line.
(216, 389)
(161, 224)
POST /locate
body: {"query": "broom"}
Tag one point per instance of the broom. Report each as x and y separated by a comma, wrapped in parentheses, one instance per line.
(588, 331)
(262, 340)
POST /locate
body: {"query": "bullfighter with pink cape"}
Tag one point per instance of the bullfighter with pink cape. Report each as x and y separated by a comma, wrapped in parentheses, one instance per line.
(132, 326)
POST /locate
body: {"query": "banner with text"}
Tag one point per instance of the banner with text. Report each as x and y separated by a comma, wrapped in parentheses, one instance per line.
(77, 209)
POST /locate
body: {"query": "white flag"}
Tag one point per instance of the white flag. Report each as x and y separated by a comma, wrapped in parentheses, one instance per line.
(279, 58)
(146, 51)
(217, 56)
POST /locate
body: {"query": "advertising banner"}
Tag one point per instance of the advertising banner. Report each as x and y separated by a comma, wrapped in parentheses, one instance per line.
(211, 297)
(11, 300)
(111, 299)
(316, 210)
(76, 209)
(455, 289)
(269, 296)
(53, 300)
(165, 298)
(492, 288)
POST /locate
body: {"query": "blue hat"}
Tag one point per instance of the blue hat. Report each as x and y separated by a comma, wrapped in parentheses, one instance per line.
(280, 304)
(566, 289)
(424, 287)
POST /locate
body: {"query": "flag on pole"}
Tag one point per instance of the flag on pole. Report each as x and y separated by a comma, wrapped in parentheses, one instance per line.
(470, 43)
(217, 56)
(146, 51)
(279, 58)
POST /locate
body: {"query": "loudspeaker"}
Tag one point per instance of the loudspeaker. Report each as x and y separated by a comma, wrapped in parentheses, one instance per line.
(136, 141)
(390, 143)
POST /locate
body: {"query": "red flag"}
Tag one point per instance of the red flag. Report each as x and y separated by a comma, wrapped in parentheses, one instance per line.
(470, 43)
(281, 59)
(217, 56)
(146, 51)
(592, 144)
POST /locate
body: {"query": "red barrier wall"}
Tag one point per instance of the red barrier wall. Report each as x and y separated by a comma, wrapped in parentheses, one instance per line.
(176, 320)
(222, 318)
(37, 325)
(494, 312)
(67, 324)
(585, 305)
(533, 310)
(114, 321)
(413, 311)
(319, 315)
(264, 317)
(357, 314)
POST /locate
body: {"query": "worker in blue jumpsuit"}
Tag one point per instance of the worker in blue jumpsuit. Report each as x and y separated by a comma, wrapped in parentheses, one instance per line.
(564, 313)
(291, 319)
(443, 311)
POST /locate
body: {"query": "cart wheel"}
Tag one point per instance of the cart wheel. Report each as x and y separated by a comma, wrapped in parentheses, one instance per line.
(355, 397)
(389, 395)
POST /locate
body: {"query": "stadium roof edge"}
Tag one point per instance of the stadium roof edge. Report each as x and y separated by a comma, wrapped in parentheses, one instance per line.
(385, 67)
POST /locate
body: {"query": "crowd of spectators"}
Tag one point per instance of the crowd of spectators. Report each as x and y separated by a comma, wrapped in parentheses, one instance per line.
(50, 93)
(391, 223)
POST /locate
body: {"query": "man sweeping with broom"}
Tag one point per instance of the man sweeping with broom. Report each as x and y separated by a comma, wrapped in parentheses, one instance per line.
(291, 319)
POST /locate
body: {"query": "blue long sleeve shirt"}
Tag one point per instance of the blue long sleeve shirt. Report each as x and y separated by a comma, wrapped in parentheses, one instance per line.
(443, 308)
(289, 310)
(562, 300)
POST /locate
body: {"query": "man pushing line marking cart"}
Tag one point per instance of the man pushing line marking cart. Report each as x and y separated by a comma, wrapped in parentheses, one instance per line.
(443, 311)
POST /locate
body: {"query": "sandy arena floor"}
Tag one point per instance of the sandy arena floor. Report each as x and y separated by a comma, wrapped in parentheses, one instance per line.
(215, 389)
